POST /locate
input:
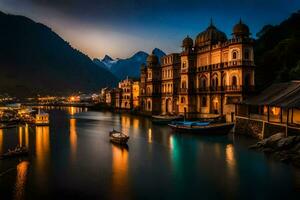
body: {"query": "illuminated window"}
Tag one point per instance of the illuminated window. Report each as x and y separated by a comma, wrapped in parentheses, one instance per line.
(234, 55)
(183, 65)
(183, 84)
(182, 100)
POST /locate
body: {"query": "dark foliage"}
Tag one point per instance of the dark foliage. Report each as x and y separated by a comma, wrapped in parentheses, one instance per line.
(35, 60)
(277, 52)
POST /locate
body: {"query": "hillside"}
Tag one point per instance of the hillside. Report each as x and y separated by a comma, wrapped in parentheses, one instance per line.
(277, 52)
(35, 60)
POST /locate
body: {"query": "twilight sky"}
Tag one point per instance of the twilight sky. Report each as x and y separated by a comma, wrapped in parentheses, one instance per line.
(121, 27)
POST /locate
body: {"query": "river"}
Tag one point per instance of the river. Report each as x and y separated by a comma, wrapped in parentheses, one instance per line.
(73, 159)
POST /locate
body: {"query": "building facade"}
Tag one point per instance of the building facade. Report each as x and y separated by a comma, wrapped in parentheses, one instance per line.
(207, 78)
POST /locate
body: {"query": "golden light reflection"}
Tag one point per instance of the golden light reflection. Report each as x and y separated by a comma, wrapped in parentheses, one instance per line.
(230, 159)
(171, 142)
(73, 137)
(20, 136)
(1, 140)
(150, 135)
(120, 170)
(231, 167)
(26, 136)
(135, 124)
(42, 150)
(22, 170)
(125, 122)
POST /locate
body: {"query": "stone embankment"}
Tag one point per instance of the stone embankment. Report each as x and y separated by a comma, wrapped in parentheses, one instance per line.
(279, 147)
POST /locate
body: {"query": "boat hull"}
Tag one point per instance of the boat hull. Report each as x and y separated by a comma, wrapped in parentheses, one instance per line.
(213, 129)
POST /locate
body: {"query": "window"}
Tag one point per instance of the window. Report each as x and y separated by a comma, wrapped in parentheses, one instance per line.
(183, 84)
(234, 55)
(149, 105)
(182, 100)
(234, 81)
(203, 101)
(203, 82)
(183, 65)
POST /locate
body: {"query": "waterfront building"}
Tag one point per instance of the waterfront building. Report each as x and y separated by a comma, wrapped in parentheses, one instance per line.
(135, 94)
(118, 97)
(150, 88)
(103, 94)
(216, 72)
(126, 87)
(276, 109)
(207, 79)
(170, 81)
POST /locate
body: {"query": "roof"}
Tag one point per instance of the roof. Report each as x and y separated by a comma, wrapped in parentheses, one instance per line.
(286, 95)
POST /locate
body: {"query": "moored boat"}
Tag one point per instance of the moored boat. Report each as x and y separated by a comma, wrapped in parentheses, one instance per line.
(17, 152)
(202, 127)
(165, 119)
(118, 137)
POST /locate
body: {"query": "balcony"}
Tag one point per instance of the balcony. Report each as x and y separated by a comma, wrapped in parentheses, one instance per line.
(183, 90)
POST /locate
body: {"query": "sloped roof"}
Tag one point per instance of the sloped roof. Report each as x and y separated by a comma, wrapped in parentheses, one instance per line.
(279, 94)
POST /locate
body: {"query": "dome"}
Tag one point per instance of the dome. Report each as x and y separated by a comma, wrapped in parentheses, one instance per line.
(241, 29)
(212, 35)
(187, 42)
(152, 59)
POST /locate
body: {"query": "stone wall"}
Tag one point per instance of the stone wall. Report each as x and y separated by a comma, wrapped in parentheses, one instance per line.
(249, 127)
(261, 129)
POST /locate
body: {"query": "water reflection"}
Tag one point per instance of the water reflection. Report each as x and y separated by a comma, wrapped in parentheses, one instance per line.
(120, 171)
(42, 152)
(73, 137)
(22, 170)
(1, 141)
(23, 136)
(150, 135)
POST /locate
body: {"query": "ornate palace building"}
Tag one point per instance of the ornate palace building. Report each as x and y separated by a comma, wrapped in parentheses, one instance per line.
(210, 76)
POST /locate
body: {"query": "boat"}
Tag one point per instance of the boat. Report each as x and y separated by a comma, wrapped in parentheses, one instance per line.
(8, 125)
(166, 119)
(118, 137)
(17, 152)
(202, 127)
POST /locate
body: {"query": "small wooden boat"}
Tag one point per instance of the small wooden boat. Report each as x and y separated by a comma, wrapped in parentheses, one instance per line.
(202, 127)
(118, 137)
(17, 152)
(165, 119)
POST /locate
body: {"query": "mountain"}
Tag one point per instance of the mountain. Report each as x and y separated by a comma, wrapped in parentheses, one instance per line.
(127, 67)
(35, 60)
(277, 52)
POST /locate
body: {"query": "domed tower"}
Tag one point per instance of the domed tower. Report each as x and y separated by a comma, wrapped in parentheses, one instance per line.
(187, 44)
(210, 36)
(152, 100)
(241, 30)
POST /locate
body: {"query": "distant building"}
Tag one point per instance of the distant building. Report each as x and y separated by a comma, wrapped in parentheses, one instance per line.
(135, 94)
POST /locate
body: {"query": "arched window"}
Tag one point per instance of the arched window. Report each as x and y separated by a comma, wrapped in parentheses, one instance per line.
(149, 105)
(234, 55)
(148, 90)
(203, 83)
(215, 82)
(204, 101)
(234, 81)
(182, 100)
(183, 65)
(183, 84)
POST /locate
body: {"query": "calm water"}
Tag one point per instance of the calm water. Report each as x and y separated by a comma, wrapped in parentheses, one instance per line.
(73, 159)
